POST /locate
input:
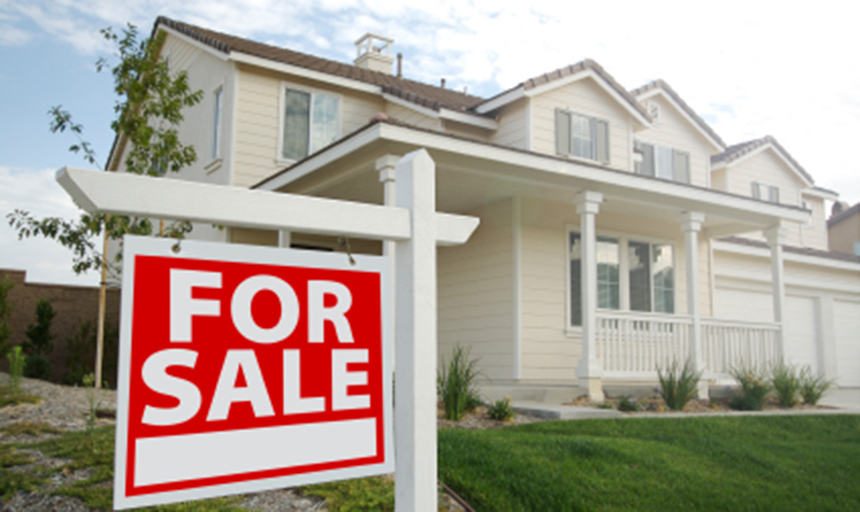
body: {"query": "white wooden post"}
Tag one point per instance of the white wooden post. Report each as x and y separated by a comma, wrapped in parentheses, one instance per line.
(415, 339)
(590, 370)
(284, 238)
(776, 236)
(691, 224)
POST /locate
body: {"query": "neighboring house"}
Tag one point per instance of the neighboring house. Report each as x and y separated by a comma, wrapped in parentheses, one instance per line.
(618, 231)
(843, 231)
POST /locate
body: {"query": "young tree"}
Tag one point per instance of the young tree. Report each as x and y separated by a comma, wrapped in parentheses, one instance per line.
(148, 111)
(38, 344)
(5, 312)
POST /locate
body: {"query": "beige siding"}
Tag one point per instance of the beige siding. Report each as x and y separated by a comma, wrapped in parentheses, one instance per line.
(513, 122)
(259, 117)
(814, 234)
(672, 130)
(587, 98)
(844, 234)
(467, 131)
(254, 237)
(476, 293)
(769, 169)
(410, 116)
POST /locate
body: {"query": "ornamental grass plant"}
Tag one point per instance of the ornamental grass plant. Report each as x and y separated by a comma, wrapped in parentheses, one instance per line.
(678, 383)
(456, 384)
(754, 388)
(812, 387)
(786, 384)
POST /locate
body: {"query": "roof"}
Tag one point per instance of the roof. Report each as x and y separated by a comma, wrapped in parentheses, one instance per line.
(844, 214)
(662, 85)
(417, 92)
(571, 70)
(738, 151)
(831, 255)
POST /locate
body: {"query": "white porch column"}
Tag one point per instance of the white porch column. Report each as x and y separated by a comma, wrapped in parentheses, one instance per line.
(691, 224)
(776, 236)
(590, 371)
(284, 238)
(385, 167)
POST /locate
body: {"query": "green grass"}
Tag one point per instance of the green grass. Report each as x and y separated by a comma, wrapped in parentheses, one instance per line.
(10, 397)
(749, 463)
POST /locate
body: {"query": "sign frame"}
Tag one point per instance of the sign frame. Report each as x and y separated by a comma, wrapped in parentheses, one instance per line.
(235, 253)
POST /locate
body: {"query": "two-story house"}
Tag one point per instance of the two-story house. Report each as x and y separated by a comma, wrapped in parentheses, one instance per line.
(618, 231)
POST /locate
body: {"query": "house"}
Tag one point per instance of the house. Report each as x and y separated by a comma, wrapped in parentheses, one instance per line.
(843, 229)
(618, 230)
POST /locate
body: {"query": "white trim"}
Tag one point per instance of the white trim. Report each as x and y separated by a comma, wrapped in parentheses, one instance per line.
(589, 73)
(517, 234)
(234, 124)
(319, 76)
(193, 42)
(501, 100)
(480, 122)
(650, 94)
(216, 136)
(429, 112)
(787, 256)
(830, 196)
(312, 91)
(529, 127)
(781, 156)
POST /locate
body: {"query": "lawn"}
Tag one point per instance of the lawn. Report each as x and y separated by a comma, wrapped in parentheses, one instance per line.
(742, 463)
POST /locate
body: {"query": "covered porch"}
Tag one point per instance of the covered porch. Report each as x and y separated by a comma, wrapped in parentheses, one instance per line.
(513, 294)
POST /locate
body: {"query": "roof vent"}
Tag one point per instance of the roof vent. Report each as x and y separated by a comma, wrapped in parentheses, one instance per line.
(373, 52)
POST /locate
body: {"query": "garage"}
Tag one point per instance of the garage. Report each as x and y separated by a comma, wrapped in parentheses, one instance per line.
(846, 316)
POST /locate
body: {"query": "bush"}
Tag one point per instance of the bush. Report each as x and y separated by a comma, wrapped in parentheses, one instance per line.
(752, 391)
(678, 384)
(16, 368)
(81, 354)
(455, 384)
(626, 405)
(37, 366)
(5, 311)
(785, 384)
(812, 388)
(501, 410)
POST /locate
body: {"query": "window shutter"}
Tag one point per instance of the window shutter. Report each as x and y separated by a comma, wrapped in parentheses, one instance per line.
(562, 132)
(774, 194)
(681, 167)
(756, 190)
(647, 165)
(602, 141)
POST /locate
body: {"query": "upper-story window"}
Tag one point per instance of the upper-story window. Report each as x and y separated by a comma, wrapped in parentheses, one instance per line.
(582, 136)
(663, 162)
(310, 122)
(764, 192)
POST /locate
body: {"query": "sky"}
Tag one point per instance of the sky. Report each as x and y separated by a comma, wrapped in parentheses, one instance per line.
(748, 68)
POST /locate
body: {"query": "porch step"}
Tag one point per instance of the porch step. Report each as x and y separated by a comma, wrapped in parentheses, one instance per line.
(532, 393)
(563, 412)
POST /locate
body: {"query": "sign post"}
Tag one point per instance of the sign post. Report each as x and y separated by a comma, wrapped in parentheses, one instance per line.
(248, 368)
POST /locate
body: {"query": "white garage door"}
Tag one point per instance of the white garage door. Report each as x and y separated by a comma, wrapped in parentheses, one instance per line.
(801, 332)
(846, 316)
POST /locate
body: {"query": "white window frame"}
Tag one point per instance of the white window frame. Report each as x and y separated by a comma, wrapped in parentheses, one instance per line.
(758, 189)
(279, 157)
(623, 272)
(217, 123)
(656, 147)
(593, 120)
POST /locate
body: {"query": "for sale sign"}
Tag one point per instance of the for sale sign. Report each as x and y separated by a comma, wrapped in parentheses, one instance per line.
(247, 368)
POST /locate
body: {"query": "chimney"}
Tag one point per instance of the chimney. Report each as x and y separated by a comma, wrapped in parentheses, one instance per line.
(399, 65)
(373, 52)
(443, 83)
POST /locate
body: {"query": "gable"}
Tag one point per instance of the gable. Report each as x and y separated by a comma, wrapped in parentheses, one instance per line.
(769, 168)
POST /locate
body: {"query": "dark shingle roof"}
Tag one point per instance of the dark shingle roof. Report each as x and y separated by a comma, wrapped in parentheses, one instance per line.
(573, 69)
(660, 84)
(844, 214)
(830, 255)
(736, 151)
(423, 94)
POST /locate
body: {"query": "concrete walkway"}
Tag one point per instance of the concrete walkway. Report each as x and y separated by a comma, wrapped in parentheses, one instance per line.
(843, 401)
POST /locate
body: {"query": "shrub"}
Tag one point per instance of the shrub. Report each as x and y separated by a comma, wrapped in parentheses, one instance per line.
(501, 410)
(812, 388)
(626, 405)
(678, 384)
(37, 366)
(81, 353)
(455, 384)
(785, 384)
(752, 391)
(16, 368)
(38, 343)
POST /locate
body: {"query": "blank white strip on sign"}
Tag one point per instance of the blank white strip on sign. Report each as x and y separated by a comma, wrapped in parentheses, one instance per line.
(175, 458)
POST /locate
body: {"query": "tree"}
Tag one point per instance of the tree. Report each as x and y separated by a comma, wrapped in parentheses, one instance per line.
(38, 344)
(5, 312)
(148, 111)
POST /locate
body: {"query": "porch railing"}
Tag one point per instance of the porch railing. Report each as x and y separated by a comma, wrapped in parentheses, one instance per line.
(633, 344)
(636, 343)
(732, 344)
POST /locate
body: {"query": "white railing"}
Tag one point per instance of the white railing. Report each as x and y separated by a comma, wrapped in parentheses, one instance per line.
(734, 344)
(636, 343)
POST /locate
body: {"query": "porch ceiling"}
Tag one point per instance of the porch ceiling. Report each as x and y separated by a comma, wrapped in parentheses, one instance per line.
(472, 174)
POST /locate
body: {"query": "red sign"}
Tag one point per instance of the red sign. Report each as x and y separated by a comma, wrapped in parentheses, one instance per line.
(246, 368)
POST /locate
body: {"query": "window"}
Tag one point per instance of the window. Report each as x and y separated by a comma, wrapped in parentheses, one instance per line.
(216, 124)
(310, 123)
(764, 192)
(662, 162)
(650, 271)
(582, 136)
